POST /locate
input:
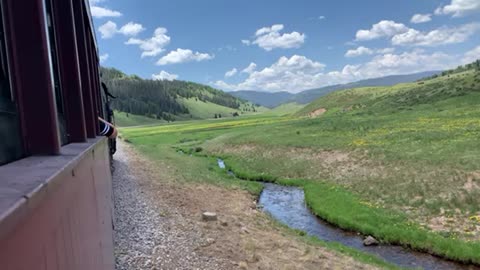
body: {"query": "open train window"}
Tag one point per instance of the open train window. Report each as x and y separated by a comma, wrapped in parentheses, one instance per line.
(52, 45)
(11, 147)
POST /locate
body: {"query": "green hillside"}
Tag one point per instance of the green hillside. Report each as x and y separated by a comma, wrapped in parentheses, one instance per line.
(285, 109)
(436, 94)
(123, 119)
(308, 96)
(171, 100)
(272, 100)
(267, 99)
(204, 109)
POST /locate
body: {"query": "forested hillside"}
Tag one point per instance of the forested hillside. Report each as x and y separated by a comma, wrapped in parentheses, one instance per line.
(168, 99)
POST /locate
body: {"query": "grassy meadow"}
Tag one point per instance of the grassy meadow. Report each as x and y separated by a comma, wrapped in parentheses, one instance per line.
(400, 163)
(128, 120)
(206, 110)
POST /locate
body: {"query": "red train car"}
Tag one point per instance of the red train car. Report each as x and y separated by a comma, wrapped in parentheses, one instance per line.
(55, 180)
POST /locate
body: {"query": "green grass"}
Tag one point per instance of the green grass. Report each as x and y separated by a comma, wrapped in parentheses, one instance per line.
(416, 158)
(346, 210)
(342, 249)
(356, 254)
(207, 110)
(285, 109)
(338, 206)
(331, 202)
(122, 120)
(188, 127)
(377, 152)
(188, 168)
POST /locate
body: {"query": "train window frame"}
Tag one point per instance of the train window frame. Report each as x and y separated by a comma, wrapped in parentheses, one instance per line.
(55, 70)
(4, 70)
(11, 145)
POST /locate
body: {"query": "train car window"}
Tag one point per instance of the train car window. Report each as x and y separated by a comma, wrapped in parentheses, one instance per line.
(11, 147)
(52, 44)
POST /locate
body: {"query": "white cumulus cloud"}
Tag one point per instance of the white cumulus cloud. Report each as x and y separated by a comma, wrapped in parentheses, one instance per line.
(440, 36)
(101, 12)
(110, 29)
(131, 29)
(459, 8)
(403, 63)
(285, 74)
(152, 46)
(471, 56)
(367, 51)
(250, 69)
(164, 76)
(269, 38)
(385, 50)
(421, 18)
(183, 56)
(231, 73)
(381, 29)
(104, 57)
(298, 73)
(358, 52)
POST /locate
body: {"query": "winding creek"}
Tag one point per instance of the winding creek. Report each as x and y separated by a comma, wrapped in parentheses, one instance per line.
(287, 205)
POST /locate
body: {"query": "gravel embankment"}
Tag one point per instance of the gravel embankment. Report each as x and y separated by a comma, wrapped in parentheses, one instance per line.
(145, 238)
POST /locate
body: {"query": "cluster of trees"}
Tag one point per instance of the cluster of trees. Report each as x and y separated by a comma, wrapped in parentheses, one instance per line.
(472, 66)
(250, 108)
(142, 97)
(158, 99)
(475, 65)
(234, 114)
(202, 92)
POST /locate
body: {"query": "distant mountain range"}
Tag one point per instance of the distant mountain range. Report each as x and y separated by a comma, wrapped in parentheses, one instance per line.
(266, 99)
(272, 100)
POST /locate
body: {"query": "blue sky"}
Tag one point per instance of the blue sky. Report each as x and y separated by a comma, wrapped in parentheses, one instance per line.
(281, 45)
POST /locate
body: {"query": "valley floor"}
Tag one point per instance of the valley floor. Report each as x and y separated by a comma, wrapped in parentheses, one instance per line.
(158, 225)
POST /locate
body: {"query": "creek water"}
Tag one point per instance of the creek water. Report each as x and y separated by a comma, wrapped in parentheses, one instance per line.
(287, 205)
(221, 163)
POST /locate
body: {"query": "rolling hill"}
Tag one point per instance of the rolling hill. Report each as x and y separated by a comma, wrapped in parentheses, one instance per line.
(172, 100)
(266, 99)
(123, 119)
(272, 100)
(310, 95)
(449, 89)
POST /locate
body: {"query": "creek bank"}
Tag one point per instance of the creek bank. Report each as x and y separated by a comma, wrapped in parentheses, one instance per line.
(287, 205)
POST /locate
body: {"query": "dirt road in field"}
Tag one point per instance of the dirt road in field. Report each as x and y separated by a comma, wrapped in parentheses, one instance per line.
(158, 225)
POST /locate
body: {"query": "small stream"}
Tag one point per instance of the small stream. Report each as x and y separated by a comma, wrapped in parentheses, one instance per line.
(287, 205)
